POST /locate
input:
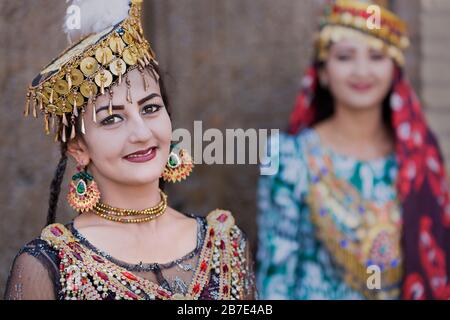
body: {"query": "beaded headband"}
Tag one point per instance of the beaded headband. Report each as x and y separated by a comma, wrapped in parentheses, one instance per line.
(344, 18)
(90, 67)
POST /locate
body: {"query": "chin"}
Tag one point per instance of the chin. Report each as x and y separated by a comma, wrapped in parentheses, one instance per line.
(142, 177)
(363, 104)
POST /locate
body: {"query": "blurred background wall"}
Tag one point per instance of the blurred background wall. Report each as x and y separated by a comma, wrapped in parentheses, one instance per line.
(230, 63)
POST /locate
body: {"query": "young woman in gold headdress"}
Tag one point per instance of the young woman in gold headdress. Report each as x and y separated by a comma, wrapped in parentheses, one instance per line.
(359, 208)
(106, 101)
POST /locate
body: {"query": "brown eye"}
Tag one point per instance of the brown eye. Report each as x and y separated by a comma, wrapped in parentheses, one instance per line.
(111, 120)
(377, 56)
(343, 57)
(151, 108)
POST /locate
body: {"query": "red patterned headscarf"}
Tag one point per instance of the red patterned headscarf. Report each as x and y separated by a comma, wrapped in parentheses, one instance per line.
(422, 188)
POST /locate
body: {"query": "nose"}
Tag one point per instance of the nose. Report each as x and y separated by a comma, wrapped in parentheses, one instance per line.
(362, 67)
(139, 131)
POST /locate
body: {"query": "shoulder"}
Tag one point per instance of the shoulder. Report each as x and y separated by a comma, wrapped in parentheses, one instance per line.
(57, 235)
(45, 247)
(36, 248)
(220, 220)
(223, 222)
(37, 255)
(224, 233)
(42, 245)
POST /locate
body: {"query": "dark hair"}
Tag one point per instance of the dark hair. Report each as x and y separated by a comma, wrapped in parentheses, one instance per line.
(325, 104)
(55, 186)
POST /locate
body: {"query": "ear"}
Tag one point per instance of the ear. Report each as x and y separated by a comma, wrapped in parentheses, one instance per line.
(78, 150)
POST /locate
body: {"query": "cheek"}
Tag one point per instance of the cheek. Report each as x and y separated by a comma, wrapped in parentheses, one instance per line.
(338, 75)
(162, 128)
(102, 150)
(385, 75)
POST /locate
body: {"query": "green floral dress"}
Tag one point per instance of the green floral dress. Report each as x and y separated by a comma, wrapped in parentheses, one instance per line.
(293, 261)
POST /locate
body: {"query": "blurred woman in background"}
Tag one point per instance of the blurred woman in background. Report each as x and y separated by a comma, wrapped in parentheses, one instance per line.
(359, 208)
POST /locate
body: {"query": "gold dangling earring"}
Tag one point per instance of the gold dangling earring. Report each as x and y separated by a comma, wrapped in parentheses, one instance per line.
(83, 191)
(179, 166)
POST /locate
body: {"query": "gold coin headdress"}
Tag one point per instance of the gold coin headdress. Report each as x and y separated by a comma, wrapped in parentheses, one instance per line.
(370, 21)
(62, 90)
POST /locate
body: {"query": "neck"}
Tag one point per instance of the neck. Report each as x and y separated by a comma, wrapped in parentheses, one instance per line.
(364, 126)
(127, 196)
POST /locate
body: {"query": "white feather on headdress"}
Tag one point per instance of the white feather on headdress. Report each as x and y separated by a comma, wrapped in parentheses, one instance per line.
(95, 16)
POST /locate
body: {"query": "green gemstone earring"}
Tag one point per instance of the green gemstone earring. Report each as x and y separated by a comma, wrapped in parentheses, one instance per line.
(179, 166)
(83, 191)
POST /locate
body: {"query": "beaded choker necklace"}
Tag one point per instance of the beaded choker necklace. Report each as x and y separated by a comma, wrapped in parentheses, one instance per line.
(123, 215)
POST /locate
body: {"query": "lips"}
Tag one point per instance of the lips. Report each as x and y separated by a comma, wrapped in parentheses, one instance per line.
(142, 155)
(361, 86)
(139, 153)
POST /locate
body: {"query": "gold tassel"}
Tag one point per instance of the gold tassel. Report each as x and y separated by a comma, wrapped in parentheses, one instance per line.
(64, 120)
(51, 97)
(75, 109)
(35, 103)
(139, 38)
(119, 71)
(94, 111)
(83, 129)
(47, 130)
(141, 62)
(63, 129)
(110, 108)
(147, 62)
(146, 84)
(72, 132)
(27, 105)
(129, 98)
(41, 104)
(147, 54)
(102, 87)
(144, 78)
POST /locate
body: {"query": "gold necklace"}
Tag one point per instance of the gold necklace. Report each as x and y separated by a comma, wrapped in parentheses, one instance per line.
(115, 214)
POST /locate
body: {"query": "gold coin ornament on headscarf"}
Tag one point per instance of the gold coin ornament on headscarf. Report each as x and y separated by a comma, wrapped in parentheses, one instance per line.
(88, 89)
(62, 87)
(104, 55)
(89, 67)
(103, 79)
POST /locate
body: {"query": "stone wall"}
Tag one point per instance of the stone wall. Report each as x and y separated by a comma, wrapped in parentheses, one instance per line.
(230, 63)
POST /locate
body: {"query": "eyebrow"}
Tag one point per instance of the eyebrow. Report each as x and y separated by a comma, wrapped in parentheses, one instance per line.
(113, 107)
(122, 107)
(149, 97)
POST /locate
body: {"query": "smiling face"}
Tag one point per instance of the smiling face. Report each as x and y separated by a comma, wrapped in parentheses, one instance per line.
(357, 75)
(143, 127)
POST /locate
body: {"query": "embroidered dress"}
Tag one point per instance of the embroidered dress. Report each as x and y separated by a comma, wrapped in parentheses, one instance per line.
(62, 264)
(324, 218)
